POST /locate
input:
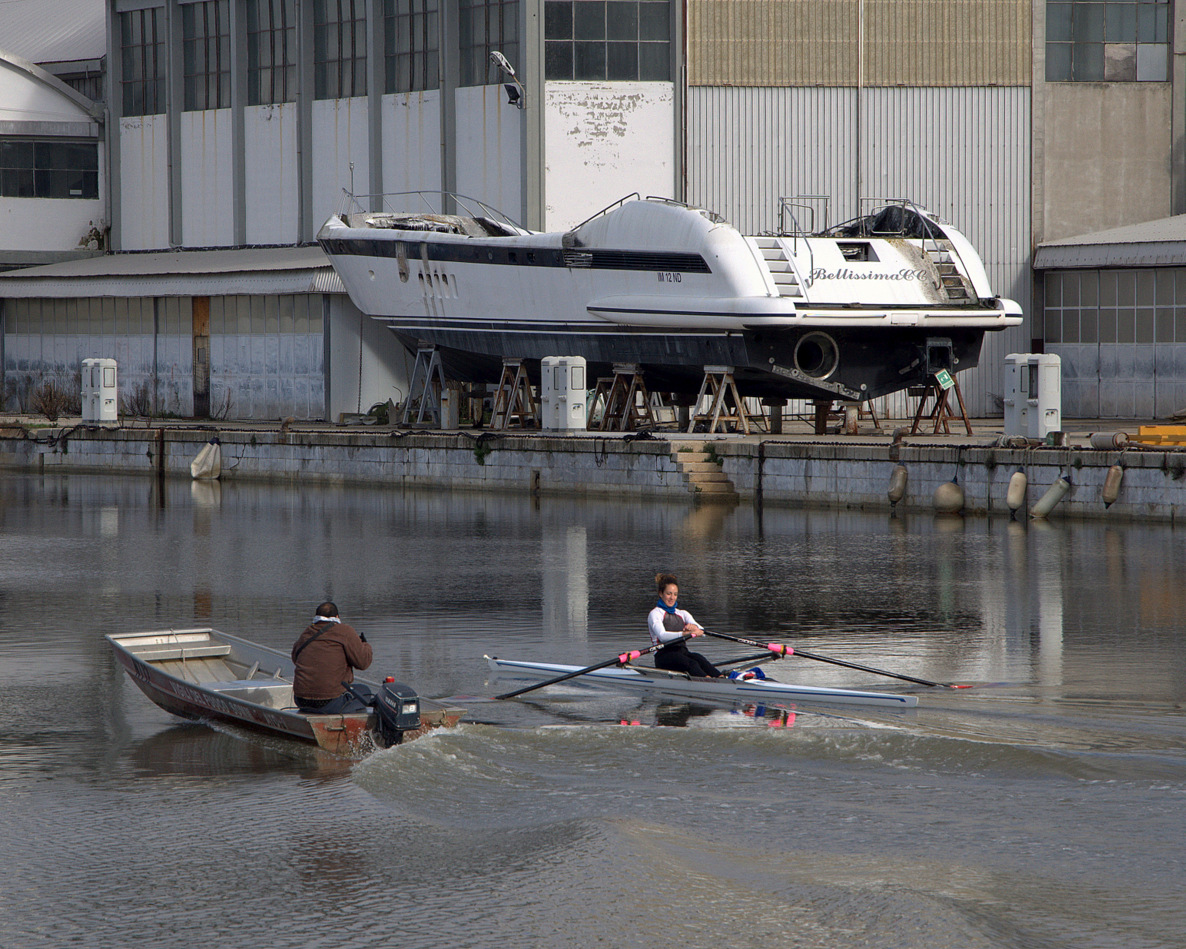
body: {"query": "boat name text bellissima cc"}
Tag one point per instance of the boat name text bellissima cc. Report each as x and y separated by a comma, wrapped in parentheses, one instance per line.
(853, 312)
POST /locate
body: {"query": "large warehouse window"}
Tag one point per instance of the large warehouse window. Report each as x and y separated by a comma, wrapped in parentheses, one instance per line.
(339, 49)
(142, 61)
(206, 54)
(607, 39)
(1107, 40)
(1116, 306)
(30, 169)
(488, 25)
(271, 51)
(413, 41)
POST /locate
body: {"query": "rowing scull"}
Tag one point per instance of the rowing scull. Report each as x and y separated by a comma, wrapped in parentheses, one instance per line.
(761, 691)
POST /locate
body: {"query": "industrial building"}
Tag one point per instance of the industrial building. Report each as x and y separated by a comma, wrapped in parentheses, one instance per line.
(229, 125)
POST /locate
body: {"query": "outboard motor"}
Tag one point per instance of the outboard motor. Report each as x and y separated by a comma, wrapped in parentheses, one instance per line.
(398, 709)
(396, 705)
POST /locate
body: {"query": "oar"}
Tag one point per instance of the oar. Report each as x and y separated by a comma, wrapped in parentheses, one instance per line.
(619, 660)
(788, 651)
(757, 657)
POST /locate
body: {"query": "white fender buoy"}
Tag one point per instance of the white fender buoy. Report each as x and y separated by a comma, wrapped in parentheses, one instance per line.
(208, 465)
(949, 498)
(897, 485)
(1015, 495)
(1053, 495)
(1112, 484)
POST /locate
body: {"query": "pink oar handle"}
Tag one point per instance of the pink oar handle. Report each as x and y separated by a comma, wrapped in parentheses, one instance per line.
(780, 649)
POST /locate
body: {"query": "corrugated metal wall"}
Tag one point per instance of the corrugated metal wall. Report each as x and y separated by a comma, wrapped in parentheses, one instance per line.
(947, 42)
(817, 42)
(772, 42)
(747, 147)
(962, 152)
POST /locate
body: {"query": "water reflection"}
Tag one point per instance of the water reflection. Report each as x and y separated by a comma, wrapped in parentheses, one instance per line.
(440, 579)
(201, 751)
(564, 563)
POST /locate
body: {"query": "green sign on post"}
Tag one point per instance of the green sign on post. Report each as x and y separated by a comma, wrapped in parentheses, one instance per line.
(943, 377)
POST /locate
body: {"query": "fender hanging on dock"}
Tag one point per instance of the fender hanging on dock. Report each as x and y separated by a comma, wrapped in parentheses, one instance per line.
(208, 465)
(949, 498)
(1053, 495)
(897, 485)
(1112, 482)
(1015, 495)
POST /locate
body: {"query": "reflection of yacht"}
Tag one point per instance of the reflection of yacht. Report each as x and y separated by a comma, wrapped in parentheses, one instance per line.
(857, 311)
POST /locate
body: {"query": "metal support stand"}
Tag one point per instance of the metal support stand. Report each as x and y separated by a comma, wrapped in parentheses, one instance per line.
(426, 386)
(725, 404)
(514, 401)
(941, 413)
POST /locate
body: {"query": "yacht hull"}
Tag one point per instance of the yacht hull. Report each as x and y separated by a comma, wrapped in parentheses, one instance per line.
(674, 289)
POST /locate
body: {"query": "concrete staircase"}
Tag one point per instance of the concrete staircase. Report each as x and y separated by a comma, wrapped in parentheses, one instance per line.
(704, 478)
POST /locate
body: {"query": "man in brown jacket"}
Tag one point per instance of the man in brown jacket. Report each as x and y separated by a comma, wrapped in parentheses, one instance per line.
(326, 655)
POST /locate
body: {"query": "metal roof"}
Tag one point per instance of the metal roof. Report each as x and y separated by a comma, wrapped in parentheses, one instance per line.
(1152, 244)
(253, 270)
(53, 31)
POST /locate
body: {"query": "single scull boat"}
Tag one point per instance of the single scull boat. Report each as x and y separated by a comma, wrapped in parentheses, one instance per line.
(644, 679)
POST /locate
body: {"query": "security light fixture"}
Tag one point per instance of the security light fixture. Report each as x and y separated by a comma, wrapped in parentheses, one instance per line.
(516, 94)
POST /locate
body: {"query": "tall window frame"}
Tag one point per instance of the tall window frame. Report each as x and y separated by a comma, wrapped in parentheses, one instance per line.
(143, 50)
(339, 49)
(1108, 40)
(486, 26)
(271, 51)
(206, 55)
(412, 40)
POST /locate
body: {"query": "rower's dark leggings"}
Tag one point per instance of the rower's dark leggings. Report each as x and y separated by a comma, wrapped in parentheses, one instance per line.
(679, 658)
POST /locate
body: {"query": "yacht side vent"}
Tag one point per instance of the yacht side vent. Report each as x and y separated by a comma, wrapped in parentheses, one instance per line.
(781, 268)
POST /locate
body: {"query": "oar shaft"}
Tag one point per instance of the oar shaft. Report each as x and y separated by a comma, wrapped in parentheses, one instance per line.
(756, 657)
(775, 647)
(857, 665)
(619, 660)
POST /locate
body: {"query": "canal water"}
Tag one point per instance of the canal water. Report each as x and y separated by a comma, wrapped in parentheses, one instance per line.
(1044, 807)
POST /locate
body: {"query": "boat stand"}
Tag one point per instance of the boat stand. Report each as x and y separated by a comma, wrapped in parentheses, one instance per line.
(625, 402)
(850, 413)
(429, 375)
(725, 403)
(941, 412)
(514, 400)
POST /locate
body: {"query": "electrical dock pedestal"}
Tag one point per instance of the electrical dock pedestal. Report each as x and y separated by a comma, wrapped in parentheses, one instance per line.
(1033, 394)
(100, 390)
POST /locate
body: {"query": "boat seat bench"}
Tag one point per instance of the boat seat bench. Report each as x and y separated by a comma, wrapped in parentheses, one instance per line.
(181, 652)
(270, 693)
(236, 684)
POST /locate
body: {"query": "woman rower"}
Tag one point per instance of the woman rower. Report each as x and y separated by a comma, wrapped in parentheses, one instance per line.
(668, 623)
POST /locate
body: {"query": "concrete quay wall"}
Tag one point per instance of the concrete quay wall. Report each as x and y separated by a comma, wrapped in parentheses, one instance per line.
(858, 475)
(447, 460)
(821, 472)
